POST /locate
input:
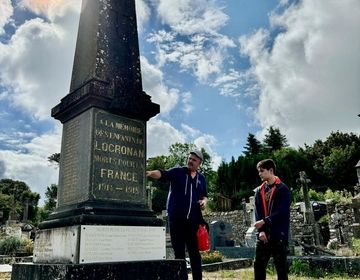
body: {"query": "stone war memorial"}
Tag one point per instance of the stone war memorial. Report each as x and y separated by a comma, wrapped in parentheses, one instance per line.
(102, 227)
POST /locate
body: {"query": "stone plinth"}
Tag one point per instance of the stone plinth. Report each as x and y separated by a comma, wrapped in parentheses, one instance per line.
(94, 244)
(102, 167)
(140, 270)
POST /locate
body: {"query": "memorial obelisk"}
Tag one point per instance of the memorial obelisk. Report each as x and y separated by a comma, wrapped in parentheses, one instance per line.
(102, 227)
(103, 153)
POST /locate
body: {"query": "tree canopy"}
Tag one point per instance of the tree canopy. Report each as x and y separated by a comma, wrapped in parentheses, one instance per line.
(15, 195)
(329, 164)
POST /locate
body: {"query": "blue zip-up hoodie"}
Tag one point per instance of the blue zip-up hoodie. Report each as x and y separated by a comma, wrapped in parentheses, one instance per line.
(183, 196)
(277, 222)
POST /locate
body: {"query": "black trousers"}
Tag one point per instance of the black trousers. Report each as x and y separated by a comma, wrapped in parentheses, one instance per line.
(276, 249)
(183, 233)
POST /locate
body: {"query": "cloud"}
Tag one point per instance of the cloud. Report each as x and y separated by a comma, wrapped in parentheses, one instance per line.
(230, 82)
(143, 13)
(186, 101)
(190, 131)
(307, 75)
(32, 166)
(153, 84)
(160, 135)
(201, 55)
(193, 41)
(6, 11)
(192, 16)
(51, 8)
(205, 141)
(208, 142)
(36, 63)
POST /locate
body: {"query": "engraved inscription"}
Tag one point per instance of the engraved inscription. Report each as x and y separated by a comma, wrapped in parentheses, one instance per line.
(118, 158)
(70, 162)
(119, 243)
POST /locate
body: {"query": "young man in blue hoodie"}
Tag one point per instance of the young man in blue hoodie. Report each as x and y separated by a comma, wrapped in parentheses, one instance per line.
(187, 196)
(272, 214)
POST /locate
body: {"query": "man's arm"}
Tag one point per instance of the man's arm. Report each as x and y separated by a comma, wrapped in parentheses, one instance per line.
(154, 174)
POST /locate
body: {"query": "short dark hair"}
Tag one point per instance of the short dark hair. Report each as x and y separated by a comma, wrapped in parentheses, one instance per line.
(267, 164)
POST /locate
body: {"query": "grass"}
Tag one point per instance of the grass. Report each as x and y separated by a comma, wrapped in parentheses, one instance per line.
(248, 274)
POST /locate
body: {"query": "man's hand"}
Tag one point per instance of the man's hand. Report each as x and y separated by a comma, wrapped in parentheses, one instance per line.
(262, 237)
(203, 203)
(259, 224)
(155, 174)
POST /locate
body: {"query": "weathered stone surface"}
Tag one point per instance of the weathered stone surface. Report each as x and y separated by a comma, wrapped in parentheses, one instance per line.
(102, 169)
(106, 72)
(221, 234)
(161, 270)
(102, 158)
(94, 244)
(299, 230)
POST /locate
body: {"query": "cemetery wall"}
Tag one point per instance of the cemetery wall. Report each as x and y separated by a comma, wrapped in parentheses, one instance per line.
(238, 219)
(339, 216)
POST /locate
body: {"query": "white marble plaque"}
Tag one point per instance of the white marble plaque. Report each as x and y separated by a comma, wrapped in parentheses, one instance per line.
(57, 245)
(121, 243)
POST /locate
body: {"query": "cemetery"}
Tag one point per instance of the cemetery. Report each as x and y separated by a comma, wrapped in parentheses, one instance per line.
(106, 222)
(233, 236)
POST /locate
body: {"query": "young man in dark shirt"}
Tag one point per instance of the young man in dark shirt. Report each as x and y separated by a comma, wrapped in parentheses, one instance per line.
(272, 214)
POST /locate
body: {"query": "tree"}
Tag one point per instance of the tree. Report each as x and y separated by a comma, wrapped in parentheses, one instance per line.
(6, 203)
(19, 194)
(334, 160)
(51, 197)
(337, 165)
(50, 204)
(179, 153)
(161, 188)
(289, 162)
(274, 140)
(54, 158)
(253, 146)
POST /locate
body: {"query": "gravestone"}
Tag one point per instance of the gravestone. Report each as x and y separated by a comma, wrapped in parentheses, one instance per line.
(102, 227)
(250, 235)
(221, 235)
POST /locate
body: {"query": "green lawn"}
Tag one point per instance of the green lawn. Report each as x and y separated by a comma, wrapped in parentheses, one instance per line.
(247, 274)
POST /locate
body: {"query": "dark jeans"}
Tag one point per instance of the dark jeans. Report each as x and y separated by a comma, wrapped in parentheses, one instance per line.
(183, 233)
(276, 249)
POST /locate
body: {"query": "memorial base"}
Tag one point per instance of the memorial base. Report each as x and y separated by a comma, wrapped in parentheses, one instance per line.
(83, 244)
(144, 270)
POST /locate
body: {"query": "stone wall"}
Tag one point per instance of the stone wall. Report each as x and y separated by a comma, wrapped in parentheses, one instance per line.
(238, 219)
(241, 220)
(5, 275)
(341, 219)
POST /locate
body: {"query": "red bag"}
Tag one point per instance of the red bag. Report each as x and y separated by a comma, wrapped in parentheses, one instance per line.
(203, 239)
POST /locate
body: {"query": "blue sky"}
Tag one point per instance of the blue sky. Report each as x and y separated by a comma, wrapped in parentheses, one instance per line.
(220, 69)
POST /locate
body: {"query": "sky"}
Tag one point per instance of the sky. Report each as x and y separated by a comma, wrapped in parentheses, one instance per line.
(220, 69)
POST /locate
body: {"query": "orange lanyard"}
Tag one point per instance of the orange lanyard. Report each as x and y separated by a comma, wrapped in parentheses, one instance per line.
(273, 189)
